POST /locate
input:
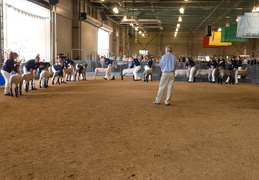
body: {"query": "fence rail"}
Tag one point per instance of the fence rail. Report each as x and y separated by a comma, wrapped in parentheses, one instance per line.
(251, 77)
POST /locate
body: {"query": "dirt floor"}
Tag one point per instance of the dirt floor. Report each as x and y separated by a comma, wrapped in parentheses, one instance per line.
(111, 130)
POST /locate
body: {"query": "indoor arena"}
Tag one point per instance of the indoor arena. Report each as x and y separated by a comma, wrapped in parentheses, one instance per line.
(140, 90)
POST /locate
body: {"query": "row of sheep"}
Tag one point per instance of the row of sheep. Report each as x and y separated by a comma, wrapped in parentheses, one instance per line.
(25, 79)
(192, 73)
(147, 73)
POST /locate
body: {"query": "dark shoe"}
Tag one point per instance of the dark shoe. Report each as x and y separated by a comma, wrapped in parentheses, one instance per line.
(137, 79)
(168, 104)
(63, 82)
(121, 77)
(8, 94)
(34, 88)
(105, 78)
(156, 102)
(113, 78)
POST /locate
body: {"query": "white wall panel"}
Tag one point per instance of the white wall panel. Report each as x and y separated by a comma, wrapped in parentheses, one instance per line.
(89, 39)
(64, 35)
(64, 8)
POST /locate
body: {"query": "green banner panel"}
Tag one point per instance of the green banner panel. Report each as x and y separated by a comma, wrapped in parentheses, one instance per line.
(228, 34)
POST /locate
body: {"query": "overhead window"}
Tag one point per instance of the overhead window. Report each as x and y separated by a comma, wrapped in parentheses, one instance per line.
(27, 29)
(103, 43)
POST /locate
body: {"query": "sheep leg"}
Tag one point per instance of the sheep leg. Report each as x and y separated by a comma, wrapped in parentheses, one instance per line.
(11, 89)
(32, 84)
(26, 86)
(47, 82)
(40, 82)
(20, 88)
(146, 77)
(53, 78)
(75, 76)
(16, 90)
(58, 80)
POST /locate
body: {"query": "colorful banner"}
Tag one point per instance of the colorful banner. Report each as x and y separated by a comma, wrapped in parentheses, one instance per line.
(228, 34)
(215, 39)
(206, 40)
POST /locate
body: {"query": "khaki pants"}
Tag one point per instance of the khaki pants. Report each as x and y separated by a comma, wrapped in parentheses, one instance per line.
(167, 79)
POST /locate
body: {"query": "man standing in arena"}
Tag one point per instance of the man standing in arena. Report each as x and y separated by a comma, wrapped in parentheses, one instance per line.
(168, 65)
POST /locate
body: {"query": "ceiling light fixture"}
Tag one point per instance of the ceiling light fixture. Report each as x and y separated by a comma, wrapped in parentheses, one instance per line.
(255, 9)
(181, 10)
(219, 29)
(180, 19)
(125, 18)
(115, 10)
(178, 25)
(176, 29)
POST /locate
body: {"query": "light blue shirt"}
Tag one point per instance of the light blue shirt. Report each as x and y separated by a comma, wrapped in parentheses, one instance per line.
(168, 62)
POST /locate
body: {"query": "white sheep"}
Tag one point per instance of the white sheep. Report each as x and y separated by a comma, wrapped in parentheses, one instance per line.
(241, 72)
(58, 74)
(221, 74)
(99, 70)
(27, 77)
(147, 73)
(181, 72)
(17, 80)
(203, 72)
(70, 72)
(44, 78)
(81, 71)
(127, 71)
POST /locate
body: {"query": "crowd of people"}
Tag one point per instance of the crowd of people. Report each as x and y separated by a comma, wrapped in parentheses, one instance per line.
(215, 63)
(36, 65)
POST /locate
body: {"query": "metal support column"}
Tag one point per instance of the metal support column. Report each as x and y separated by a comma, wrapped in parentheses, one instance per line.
(1, 32)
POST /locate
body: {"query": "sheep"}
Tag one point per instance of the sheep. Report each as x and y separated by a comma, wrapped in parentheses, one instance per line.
(44, 78)
(221, 74)
(70, 72)
(203, 72)
(127, 71)
(27, 77)
(181, 72)
(17, 80)
(99, 70)
(242, 72)
(231, 76)
(81, 71)
(56, 73)
(147, 72)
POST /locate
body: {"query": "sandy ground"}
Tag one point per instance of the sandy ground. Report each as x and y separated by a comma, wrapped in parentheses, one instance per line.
(111, 130)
